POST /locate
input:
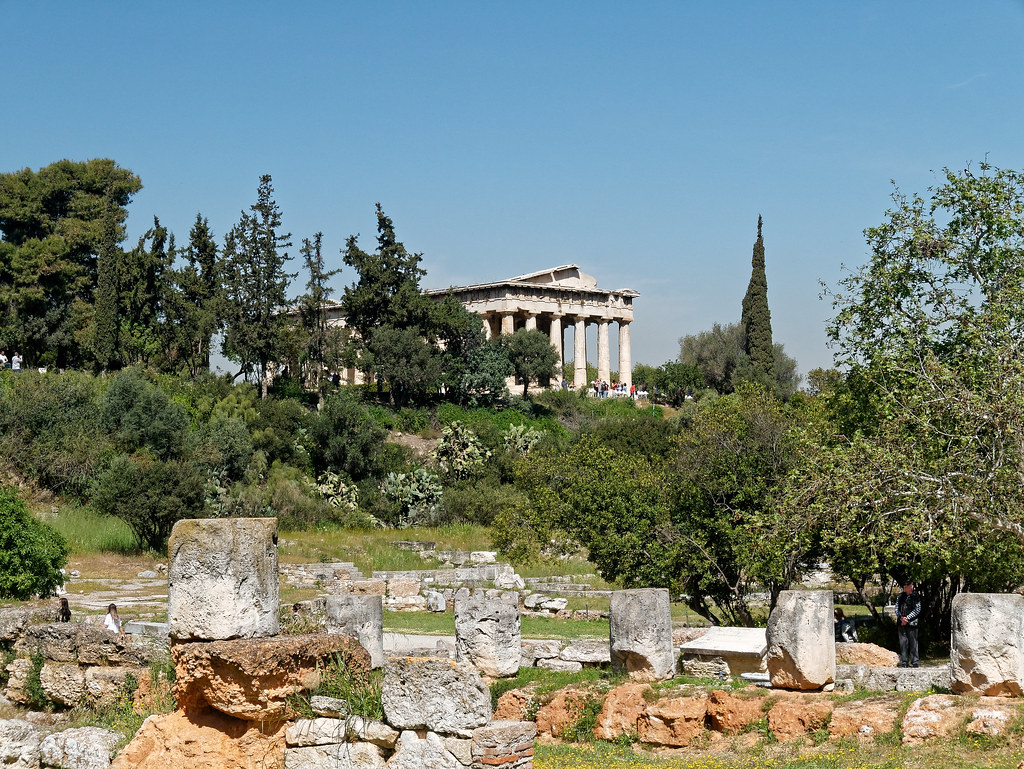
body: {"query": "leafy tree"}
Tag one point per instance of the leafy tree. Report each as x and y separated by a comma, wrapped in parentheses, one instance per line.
(671, 381)
(253, 265)
(344, 439)
(927, 454)
(141, 415)
(31, 553)
(756, 318)
(719, 355)
(193, 310)
(142, 291)
(532, 356)
(54, 223)
(406, 361)
(486, 372)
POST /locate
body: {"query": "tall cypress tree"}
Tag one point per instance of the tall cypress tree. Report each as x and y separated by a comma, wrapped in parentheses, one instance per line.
(106, 323)
(757, 318)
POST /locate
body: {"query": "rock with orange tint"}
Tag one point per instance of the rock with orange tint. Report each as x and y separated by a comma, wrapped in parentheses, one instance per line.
(621, 710)
(936, 715)
(865, 719)
(797, 717)
(207, 740)
(872, 655)
(250, 678)
(513, 705)
(992, 715)
(730, 713)
(675, 722)
(563, 710)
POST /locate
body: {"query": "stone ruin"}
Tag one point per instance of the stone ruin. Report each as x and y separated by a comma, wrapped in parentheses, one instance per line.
(640, 632)
(487, 632)
(801, 640)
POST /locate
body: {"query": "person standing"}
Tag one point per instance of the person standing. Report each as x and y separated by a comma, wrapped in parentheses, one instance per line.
(908, 609)
(16, 363)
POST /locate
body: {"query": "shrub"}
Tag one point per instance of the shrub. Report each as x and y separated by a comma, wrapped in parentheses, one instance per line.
(418, 494)
(231, 446)
(479, 503)
(459, 453)
(141, 415)
(31, 553)
(149, 495)
(345, 439)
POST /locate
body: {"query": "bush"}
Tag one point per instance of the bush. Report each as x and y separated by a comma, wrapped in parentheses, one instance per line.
(478, 503)
(345, 439)
(31, 553)
(149, 495)
(417, 493)
(141, 415)
(459, 453)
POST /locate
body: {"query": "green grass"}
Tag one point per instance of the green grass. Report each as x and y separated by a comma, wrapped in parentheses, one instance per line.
(89, 532)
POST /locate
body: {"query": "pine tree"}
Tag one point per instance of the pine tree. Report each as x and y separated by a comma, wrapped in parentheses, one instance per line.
(256, 286)
(106, 324)
(195, 314)
(313, 310)
(756, 319)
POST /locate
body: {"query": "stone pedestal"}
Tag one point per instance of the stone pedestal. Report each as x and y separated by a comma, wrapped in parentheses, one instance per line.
(222, 579)
(640, 630)
(801, 640)
(987, 650)
(434, 694)
(361, 616)
(487, 632)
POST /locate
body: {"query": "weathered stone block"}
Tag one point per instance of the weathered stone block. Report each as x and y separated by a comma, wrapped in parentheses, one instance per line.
(621, 710)
(360, 616)
(436, 694)
(589, 652)
(640, 628)
(487, 633)
(251, 678)
(504, 743)
(222, 579)
(88, 747)
(403, 587)
(427, 752)
(63, 683)
(345, 755)
(103, 684)
(675, 722)
(19, 744)
(562, 666)
(801, 640)
(987, 651)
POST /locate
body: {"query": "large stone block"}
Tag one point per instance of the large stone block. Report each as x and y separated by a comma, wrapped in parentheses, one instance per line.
(488, 634)
(801, 640)
(436, 694)
(640, 629)
(63, 683)
(19, 744)
(987, 651)
(222, 579)
(250, 679)
(427, 752)
(88, 747)
(87, 644)
(345, 755)
(508, 744)
(360, 616)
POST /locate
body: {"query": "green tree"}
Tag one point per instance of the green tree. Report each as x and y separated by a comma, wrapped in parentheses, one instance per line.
(106, 319)
(321, 345)
(403, 359)
(253, 265)
(143, 289)
(194, 306)
(54, 223)
(31, 553)
(532, 356)
(719, 356)
(756, 318)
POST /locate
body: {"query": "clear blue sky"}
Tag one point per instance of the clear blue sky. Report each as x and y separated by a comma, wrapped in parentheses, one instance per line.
(638, 140)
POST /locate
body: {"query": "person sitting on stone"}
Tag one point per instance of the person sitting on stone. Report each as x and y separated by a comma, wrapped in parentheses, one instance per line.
(846, 632)
(112, 622)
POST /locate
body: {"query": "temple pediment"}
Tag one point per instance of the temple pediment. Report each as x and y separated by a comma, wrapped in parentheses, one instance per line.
(569, 275)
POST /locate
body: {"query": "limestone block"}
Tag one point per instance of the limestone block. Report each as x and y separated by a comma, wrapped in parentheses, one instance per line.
(461, 748)
(370, 587)
(251, 678)
(705, 667)
(987, 651)
(621, 710)
(360, 616)
(504, 743)
(729, 713)
(436, 602)
(86, 748)
(929, 717)
(865, 719)
(640, 629)
(345, 755)
(509, 581)
(403, 588)
(329, 707)
(222, 579)
(533, 601)
(544, 650)
(801, 640)
(17, 678)
(675, 722)
(87, 644)
(428, 752)
(487, 633)
(562, 666)
(587, 652)
(369, 730)
(314, 731)
(483, 556)
(202, 740)
(63, 683)
(19, 744)
(14, 620)
(436, 694)
(871, 655)
(554, 604)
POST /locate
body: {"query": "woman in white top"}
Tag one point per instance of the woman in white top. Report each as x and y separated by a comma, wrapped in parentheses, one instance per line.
(112, 622)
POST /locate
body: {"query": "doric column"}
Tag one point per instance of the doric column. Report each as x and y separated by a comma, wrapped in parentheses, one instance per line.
(580, 355)
(556, 342)
(531, 321)
(508, 323)
(625, 356)
(604, 363)
(487, 328)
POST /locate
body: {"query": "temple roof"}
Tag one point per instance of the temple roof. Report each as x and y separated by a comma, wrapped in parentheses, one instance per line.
(565, 276)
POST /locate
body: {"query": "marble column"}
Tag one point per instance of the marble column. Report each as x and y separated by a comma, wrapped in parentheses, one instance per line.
(487, 328)
(556, 342)
(508, 323)
(625, 355)
(580, 354)
(604, 363)
(531, 321)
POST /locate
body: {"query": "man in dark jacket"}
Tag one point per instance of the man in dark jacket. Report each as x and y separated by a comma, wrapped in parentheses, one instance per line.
(908, 609)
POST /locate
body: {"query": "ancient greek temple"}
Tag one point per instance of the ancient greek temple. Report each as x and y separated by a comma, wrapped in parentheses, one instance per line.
(552, 301)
